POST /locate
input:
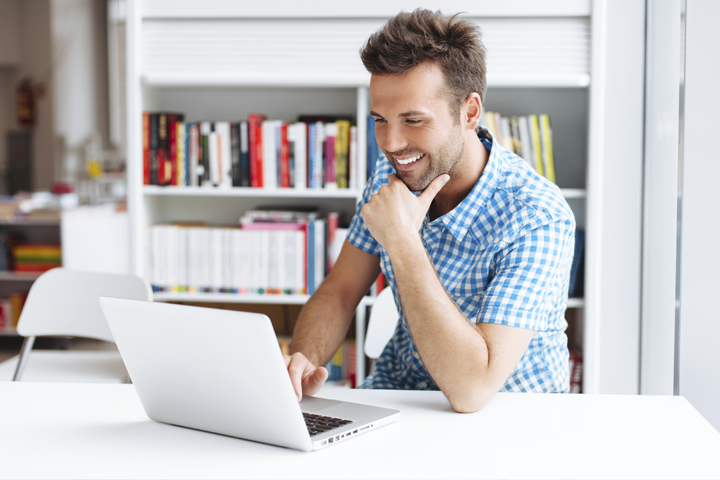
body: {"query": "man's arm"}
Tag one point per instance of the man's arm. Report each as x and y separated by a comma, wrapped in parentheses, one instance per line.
(325, 319)
(468, 363)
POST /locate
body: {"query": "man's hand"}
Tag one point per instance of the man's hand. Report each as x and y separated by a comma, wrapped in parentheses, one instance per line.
(306, 378)
(395, 213)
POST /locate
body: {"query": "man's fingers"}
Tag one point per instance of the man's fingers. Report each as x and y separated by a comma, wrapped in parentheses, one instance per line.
(314, 381)
(432, 190)
(296, 365)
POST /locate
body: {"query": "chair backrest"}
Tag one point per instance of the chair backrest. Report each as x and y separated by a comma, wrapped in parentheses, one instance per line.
(381, 326)
(66, 302)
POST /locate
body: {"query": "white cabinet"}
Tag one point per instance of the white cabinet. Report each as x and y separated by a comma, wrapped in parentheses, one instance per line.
(220, 60)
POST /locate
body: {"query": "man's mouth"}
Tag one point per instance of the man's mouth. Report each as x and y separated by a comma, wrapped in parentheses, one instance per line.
(409, 160)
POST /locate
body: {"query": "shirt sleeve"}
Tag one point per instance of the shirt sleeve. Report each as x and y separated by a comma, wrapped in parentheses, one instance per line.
(358, 233)
(531, 277)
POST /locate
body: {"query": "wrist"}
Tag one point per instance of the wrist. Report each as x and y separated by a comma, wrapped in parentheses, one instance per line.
(404, 246)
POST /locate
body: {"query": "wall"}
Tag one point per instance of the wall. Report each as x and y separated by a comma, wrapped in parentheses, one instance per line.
(34, 59)
(699, 359)
(79, 33)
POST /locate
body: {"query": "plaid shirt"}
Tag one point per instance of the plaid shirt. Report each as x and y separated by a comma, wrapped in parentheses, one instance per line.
(504, 255)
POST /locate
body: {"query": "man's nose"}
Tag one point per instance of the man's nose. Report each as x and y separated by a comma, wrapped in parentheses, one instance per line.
(393, 139)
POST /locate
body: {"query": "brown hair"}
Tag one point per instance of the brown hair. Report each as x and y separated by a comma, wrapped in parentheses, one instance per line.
(454, 44)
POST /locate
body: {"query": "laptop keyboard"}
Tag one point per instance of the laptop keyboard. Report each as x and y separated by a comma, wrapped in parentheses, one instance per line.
(317, 424)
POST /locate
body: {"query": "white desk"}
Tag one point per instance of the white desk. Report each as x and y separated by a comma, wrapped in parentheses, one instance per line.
(100, 431)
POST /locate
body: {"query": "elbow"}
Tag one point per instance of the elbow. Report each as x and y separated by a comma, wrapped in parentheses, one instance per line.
(470, 402)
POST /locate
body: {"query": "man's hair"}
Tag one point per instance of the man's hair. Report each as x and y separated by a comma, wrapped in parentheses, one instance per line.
(410, 39)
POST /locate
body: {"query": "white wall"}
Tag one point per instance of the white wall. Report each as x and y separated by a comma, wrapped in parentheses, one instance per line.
(662, 107)
(81, 78)
(700, 227)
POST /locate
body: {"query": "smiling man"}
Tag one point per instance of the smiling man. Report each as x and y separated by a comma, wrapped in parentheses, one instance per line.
(476, 246)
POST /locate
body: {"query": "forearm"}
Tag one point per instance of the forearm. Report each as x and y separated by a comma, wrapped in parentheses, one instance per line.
(322, 325)
(453, 351)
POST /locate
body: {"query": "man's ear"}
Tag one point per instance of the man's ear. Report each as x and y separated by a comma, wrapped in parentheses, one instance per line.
(471, 111)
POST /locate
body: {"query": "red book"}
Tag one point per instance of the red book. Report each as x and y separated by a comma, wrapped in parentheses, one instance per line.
(146, 148)
(165, 160)
(284, 157)
(381, 282)
(255, 148)
(173, 152)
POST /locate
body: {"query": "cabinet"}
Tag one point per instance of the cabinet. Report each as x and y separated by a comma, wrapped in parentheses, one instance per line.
(222, 60)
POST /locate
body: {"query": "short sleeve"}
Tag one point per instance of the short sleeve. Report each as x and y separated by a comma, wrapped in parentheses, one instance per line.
(531, 277)
(358, 233)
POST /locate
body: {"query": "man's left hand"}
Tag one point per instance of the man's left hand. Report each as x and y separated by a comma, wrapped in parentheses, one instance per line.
(394, 214)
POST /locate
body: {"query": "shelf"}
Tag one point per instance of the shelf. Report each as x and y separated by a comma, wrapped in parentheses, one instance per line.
(9, 333)
(269, 299)
(573, 193)
(19, 276)
(152, 190)
(29, 221)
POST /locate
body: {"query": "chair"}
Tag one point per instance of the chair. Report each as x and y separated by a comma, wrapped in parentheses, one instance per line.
(381, 326)
(65, 302)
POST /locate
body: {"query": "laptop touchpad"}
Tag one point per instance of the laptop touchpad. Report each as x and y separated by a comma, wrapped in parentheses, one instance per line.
(314, 404)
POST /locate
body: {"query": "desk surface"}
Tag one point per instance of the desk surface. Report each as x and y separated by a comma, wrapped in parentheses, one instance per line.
(101, 431)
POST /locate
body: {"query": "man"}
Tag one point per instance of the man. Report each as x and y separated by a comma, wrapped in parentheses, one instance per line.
(476, 246)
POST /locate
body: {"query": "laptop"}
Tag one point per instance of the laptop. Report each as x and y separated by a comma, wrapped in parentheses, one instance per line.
(222, 371)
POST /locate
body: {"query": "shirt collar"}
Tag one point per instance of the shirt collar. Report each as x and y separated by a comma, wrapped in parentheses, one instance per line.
(460, 218)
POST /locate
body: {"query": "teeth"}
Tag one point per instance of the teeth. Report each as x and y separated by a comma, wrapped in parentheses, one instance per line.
(409, 160)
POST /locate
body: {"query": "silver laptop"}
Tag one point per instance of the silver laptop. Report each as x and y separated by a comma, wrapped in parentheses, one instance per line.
(222, 371)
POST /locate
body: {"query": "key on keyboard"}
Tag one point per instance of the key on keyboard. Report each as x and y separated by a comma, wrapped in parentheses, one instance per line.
(317, 424)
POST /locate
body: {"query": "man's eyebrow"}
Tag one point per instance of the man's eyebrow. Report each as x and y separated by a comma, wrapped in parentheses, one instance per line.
(411, 113)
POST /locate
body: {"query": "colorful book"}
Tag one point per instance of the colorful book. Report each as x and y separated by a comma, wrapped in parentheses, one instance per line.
(547, 150)
(244, 155)
(330, 178)
(146, 147)
(342, 150)
(536, 145)
(255, 121)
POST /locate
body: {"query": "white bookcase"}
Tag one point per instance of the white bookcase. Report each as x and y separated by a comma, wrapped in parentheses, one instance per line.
(221, 59)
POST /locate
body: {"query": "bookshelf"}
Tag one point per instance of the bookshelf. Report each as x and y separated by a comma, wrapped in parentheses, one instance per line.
(221, 60)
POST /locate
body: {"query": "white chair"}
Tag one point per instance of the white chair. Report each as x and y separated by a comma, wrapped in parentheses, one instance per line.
(65, 302)
(381, 326)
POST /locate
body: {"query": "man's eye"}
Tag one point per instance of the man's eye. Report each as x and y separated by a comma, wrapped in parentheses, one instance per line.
(379, 120)
(412, 122)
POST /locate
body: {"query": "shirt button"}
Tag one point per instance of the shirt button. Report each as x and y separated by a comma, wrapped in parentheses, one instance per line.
(416, 355)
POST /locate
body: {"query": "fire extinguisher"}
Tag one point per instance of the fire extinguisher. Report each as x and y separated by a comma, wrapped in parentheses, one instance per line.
(26, 113)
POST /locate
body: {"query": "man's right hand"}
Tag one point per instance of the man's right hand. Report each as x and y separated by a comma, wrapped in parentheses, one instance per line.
(306, 378)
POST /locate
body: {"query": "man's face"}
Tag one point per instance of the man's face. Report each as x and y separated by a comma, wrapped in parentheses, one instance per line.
(414, 127)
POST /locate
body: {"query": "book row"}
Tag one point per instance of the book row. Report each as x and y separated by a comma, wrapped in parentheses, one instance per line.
(529, 137)
(255, 257)
(342, 367)
(315, 152)
(16, 256)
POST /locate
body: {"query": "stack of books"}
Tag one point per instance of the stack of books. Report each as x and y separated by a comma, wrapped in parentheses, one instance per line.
(342, 367)
(37, 258)
(269, 252)
(10, 309)
(529, 137)
(314, 152)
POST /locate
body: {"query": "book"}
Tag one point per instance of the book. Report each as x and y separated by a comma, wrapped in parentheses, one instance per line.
(507, 140)
(244, 155)
(515, 136)
(526, 141)
(576, 283)
(270, 153)
(235, 153)
(342, 150)
(536, 146)
(153, 151)
(255, 121)
(547, 150)
(373, 151)
(284, 157)
(146, 147)
(499, 138)
(297, 140)
(330, 178)
(490, 123)
(353, 166)
(194, 158)
(224, 154)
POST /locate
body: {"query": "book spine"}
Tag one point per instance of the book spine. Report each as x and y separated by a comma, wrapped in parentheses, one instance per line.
(342, 141)
(173, 153)
(146, 147)
(194, 155)
(256, 149)
(284, 157)
(319, 172)
(525, 141)
(537, 149)
(312, 129)
(329, 151)
(225, 158)
(547, 150)
(163, 149)
(244, 155)
(213, 140)
(353, 171)
(154, 148)
(372, 147)
(235, 153)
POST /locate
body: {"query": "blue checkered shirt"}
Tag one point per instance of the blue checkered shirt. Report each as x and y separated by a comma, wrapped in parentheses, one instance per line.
(504, 255)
